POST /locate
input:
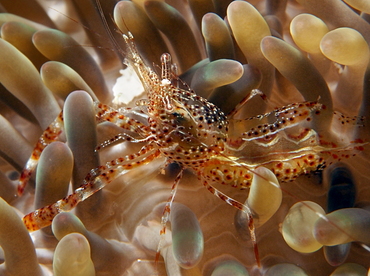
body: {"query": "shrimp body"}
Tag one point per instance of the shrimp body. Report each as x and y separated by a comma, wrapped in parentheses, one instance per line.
(194, 133)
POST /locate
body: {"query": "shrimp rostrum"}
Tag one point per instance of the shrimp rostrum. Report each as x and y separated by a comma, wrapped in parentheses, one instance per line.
(184, 128)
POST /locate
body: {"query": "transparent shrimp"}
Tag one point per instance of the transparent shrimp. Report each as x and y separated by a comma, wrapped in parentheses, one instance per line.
(194, 133)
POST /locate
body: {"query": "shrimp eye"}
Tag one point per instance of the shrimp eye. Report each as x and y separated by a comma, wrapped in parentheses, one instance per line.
(178, 117)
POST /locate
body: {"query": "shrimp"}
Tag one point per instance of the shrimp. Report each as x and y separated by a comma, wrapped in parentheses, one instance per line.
(190, 131)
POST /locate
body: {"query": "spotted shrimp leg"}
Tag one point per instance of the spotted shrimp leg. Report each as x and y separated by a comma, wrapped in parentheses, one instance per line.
(242, 207)
(50, 135)
(242, 103)
(119, 118)
(96, 180)
(167, 212)
(121, 137)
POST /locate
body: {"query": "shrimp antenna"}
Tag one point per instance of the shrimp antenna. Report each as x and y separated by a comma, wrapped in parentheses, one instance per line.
(117, 47)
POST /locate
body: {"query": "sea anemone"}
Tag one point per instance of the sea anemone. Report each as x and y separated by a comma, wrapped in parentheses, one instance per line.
(60, 55)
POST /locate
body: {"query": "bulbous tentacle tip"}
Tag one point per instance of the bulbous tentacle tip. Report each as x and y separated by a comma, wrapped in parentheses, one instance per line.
(73, 256)
(187, 236)
(282, 269)
(298, 225)
(230, 267)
